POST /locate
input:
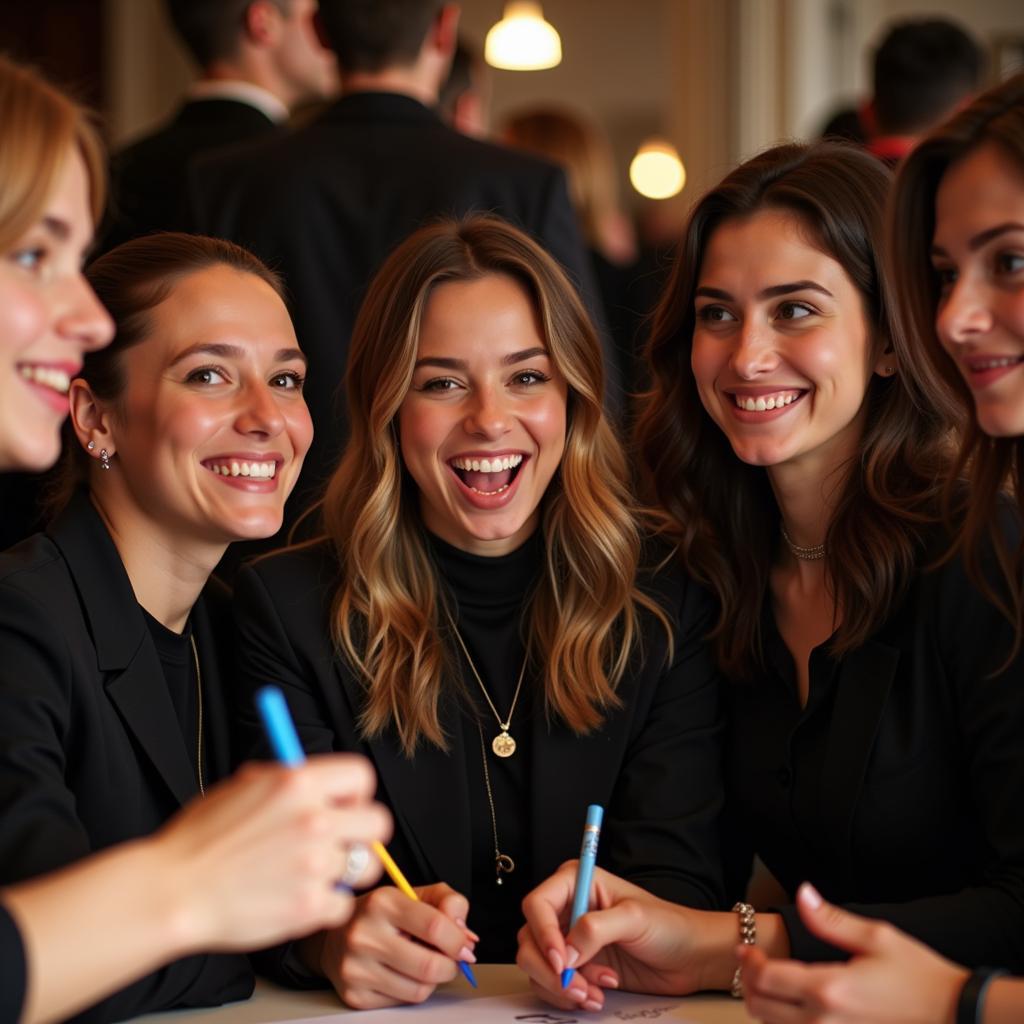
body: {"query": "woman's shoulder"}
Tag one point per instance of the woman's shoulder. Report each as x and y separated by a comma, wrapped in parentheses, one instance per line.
(293, 579)
(34, 568)
(663, 577)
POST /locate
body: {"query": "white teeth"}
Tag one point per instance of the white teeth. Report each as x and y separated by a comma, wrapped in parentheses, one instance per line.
(495, 465)
(765, 404)
(503, 487)
(48, 376)
(993, 364)
(259, 470)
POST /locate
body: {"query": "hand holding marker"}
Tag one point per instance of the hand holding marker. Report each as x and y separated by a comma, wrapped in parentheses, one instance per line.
(584, 873)
(280, 730)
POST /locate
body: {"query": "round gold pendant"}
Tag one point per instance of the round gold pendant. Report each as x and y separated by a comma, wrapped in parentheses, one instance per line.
(503, 745)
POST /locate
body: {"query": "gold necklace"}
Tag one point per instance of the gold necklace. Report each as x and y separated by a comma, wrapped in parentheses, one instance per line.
(503, 744)
(502, 861)
(811, 554)
(199, 716)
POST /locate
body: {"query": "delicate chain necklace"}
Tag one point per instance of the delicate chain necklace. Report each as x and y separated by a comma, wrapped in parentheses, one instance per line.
(503, 744)
(502, 861)
(804, 554)
(199, 716)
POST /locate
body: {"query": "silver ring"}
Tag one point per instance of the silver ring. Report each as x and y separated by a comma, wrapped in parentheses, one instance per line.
(357, 860)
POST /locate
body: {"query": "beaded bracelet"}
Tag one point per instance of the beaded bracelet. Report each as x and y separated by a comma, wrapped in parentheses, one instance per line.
(748, 937)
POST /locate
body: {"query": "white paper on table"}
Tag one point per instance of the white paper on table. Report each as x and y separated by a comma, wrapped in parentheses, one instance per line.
(516, 1009)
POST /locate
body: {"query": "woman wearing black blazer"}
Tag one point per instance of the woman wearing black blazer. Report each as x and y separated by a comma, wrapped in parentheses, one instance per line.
(478, 530)
(112, 643)
(875, 710)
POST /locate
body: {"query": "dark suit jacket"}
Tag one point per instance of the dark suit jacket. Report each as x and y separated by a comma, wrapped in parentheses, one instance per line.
(148, 177)
(91, 753)
(327, 203)
(899, 789)
(654, 765)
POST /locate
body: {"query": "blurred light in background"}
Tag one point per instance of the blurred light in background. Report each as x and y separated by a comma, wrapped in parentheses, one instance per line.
(656, 171)
(523, 40)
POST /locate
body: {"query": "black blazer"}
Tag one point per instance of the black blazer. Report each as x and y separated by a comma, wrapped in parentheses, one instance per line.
(654, 765)
(148, 177)
(91, 753)
(327, 203)
(12, 970)
(899, 790)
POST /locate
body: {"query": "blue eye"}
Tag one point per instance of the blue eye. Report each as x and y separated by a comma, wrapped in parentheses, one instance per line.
(28, 259)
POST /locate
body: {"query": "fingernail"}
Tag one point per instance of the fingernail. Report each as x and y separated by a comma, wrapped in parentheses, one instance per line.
(592, 1004)
(609, 981)
(571, 956)
(467, 954)
(579, 994)
(810, 895)
(555, 959)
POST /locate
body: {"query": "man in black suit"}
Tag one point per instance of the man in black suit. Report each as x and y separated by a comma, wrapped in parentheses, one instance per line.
(328, 202)
(259, 59)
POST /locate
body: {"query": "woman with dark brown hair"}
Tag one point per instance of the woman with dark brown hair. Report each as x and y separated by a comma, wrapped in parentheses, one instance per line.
(874, 724)
(475, 619)
(112, 644)
(957, 257)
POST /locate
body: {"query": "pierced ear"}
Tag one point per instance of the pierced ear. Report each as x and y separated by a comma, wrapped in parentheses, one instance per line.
(885, 362)
(90, 420)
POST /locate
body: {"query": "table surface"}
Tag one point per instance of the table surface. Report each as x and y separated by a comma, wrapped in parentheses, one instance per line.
(271, 1003)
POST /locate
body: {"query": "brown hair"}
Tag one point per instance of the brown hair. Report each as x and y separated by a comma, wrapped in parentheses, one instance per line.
(990, 463)
(583, 617)
(39, 127)
(579, 147)
(721, 512)
(131, 281)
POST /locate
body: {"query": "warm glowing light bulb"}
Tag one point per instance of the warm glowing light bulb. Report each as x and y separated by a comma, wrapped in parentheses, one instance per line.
(523, 40)
(656, 171)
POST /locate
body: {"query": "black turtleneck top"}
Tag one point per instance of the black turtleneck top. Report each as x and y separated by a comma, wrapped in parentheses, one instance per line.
(488, 597)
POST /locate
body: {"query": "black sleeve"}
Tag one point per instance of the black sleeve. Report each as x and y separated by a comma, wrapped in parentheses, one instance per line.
(13, 970)
(39, 827)
(663, 819)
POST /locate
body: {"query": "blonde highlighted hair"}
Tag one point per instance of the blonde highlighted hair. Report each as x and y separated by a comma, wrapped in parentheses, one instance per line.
(388, 611)
(39, 128)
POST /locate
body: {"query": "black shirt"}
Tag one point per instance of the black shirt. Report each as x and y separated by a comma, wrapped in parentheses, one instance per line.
(488, 597)
(13, 973)
(898, 789)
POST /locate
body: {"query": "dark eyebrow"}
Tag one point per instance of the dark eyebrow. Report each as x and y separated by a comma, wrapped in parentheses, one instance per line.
(982, 238)
(220, 350)
(60, 229)
(767, 293)
(446, 363)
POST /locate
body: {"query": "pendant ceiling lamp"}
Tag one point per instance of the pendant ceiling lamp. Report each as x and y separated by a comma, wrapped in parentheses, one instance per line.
(523, 40)
(656, 172)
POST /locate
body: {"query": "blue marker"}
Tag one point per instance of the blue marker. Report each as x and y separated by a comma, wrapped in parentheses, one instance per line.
(585, 873)
(280, 729)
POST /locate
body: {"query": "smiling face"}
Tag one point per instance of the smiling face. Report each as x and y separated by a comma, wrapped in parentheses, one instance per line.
(978, 254)
(210, 432)
(782, 354)
(482, 429)
(49, 317)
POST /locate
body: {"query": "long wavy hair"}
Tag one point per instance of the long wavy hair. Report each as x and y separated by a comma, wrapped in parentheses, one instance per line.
(388, 610)
(991, 465)
(721, 512)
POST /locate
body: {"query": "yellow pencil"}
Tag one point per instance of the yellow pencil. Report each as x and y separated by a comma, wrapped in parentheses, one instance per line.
(396, 876)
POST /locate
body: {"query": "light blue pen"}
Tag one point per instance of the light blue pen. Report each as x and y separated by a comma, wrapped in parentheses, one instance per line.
(280, 729)
(585, 873)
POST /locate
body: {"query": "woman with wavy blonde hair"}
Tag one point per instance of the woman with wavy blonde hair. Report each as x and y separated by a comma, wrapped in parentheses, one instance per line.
(474, 619)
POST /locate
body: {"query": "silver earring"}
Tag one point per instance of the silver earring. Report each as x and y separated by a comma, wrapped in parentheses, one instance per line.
(91, 446)
(890, 370)
(104, 459)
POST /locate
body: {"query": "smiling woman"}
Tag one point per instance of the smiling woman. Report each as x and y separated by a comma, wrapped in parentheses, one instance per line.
(115, 647)
(476, 619)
